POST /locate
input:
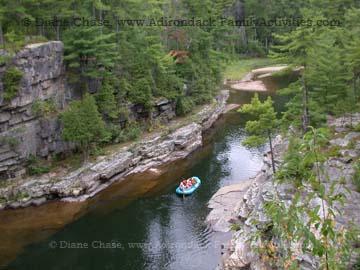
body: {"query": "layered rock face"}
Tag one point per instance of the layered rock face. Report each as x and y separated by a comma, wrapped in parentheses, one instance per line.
(156, 150)
(248, 212)
(22, 132)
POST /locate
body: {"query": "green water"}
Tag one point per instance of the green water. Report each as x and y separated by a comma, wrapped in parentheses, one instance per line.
(153, 229)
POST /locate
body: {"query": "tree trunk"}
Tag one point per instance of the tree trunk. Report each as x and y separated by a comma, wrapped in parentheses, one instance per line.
(271, 152)
(305, 116)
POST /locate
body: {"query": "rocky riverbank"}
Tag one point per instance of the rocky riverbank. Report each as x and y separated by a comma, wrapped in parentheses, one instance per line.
(262, 79)
(157, 149)
(246, 207)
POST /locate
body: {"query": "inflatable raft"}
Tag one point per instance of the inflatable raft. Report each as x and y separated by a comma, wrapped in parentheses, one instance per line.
(189, 191)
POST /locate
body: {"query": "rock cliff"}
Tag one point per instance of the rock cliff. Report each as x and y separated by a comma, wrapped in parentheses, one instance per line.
(22, 132)
(247, 211)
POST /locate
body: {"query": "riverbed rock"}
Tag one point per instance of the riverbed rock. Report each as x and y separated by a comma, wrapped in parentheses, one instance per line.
(223, 204)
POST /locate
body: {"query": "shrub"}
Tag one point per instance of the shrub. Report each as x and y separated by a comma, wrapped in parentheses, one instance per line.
(11, 141)
(357, 128)
(11, 81)
(334, 151)
(184, 105)
(130, 133)
(235, 227)
(44, 107)
(34, 166)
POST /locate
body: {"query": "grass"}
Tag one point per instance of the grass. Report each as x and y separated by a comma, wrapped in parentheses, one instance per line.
(239, 68)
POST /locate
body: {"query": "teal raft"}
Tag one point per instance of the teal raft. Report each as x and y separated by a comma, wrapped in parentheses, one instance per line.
(189, 191)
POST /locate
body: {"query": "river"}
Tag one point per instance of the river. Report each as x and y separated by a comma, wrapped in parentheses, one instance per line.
(139, 223)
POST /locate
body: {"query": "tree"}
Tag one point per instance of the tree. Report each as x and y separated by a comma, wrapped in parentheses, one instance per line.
(83, 124)
(105, 100)
(292, 48)
(90, 52)
(327, 77)
(352, 49)
(263, 126)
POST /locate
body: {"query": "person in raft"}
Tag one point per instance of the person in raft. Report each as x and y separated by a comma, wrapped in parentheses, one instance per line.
(185, 184)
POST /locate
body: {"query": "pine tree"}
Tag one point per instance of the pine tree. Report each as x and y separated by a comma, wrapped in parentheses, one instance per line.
(293, 49)
(352, 48)
(326, 71)
(264, 125)
(83, 124)
(91, 53)
(105, 100)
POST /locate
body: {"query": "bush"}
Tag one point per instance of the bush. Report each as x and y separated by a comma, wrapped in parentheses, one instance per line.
(34, 166)
(11, 141)
(44, 107)
(11, 81)
(130, 133)
(357, 128)
(255, 48)
(184, 105)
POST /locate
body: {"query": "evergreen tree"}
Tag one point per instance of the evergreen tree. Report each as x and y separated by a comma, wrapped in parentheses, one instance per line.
(293, 48)
(264, 124)
(83, 125)
(352, 47)
(105, 100)
(89, 52)
(328, 77)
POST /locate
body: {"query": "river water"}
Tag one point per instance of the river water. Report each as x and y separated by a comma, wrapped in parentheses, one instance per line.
(139, 223)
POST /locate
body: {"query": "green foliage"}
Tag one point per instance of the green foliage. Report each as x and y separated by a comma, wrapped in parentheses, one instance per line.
(356, 177)
(263, 126)
(235, 227)
(140, 93)
(132, 132)
(83, 124)
(35, 166)
(357, 128)
(106, 102)
(317, 231)
(265, 120)
(327, 76)
(44, 107)
(11, 141)
(184, 105)
(11, 81)
(14, 41)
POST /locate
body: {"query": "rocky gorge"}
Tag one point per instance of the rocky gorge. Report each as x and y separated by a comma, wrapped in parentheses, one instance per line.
(158, 148)
(240, 207)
